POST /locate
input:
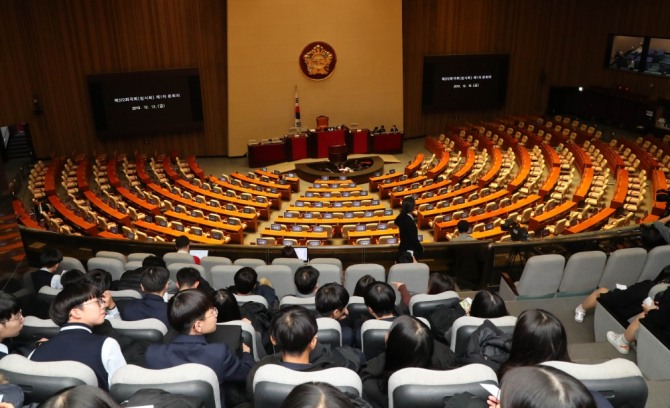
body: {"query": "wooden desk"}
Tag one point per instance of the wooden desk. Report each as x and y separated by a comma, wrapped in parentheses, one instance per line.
(584, 185)
(111, 173)
(463, 171)
(397, 196)
(358, 141)
(169, 232)
(106, 209)
(73, 219)
(320, 141)
(425, 216)
(524, 168)
(659, 182)
(385, 189)
(551, 181)
(493, 233)
(342, 209)
(294, 182)
(550, 154)
(332, 198)
(376, 181)
(547, 217)
(195, 168)
(265, 154)
(51, 175)
(250, 219)
(440, 229)
(440, 167)
(621, 188)
(386, 142)
(582, 159)
(284, 190)
(274, 199)
(490, 175)
(337, 223)
(455, 193)
(332, 190)
(236, 232)
(138, 202)
(23, 216)
(415, 164)
(374, 235)
(592, 222)
(82, 175)
(140, 168)
(299, 235)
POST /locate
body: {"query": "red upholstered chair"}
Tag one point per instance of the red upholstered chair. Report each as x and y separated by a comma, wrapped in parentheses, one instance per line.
(321, 122)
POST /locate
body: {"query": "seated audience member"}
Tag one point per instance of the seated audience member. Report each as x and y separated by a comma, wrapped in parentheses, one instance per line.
(81, 396)
(246, 283)
(50, 260)
(543, 387)
(405, 257)
(189, 278)
(656, 316)
(132, 279)
(11, 321)
(183, 245)
(226, 304)
(193, 315)
(380, 300)
(461, 234)
(154, 285)
(538, 337)
(305, 281)
(437, 283)
(321, 395)
(623, 304)
(363, 284)
(288, 252)
(293, 331)
(485, 305)
(12, 394)
(77, 309)
(71, 276)
(103, 281)
(331, 301)
(409, 344)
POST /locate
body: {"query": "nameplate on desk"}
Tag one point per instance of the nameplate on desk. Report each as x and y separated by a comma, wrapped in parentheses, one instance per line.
(349, 215)
(318, 228)
(360, 227)
(328, 216)
(276, 227)
(369, 214)
(382, 226)
(296, 228)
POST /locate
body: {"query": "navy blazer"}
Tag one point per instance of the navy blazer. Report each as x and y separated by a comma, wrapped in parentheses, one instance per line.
(195, 349)
(150, 306)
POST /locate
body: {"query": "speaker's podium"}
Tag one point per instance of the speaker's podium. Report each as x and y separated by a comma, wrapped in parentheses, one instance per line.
(337, 154)
(320, 141)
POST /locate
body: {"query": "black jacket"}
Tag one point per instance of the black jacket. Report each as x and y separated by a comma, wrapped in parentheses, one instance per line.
(409, 235)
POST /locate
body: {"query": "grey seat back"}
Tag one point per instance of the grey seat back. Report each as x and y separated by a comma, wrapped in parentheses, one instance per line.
(223, 276)
(177, 257)
(111, 254)
(623, 267)
(329, 332)
(328, 274)
(250, 262)
(209, 262)
(281, 278)
(177, 266)
(414, 275)
(420, 387)
(423, 305)
(111, 265)
(151, 330)
(68, 263)
(464, 326)
(306, 302)
(657, 259)
(354, 272)
(582, 273)
(40, 380)
(35, 329)
(293, 263)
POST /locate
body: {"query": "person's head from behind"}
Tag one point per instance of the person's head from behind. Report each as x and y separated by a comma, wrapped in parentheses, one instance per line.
(317, 395)
(409, 344)
(154, 280)
(331, 301)
(440, 282)
(182, 243)
(102, 280)
(293, 330)
(154, 261)
(288, 252)
(245, 280)
(188, 278)
(11, 316)
(380, 300)
(405, 257)
(538, 337)
(192, 312)
(78, 303)
(305, 279)
(81, 396)
(363, 285)
(71, 276)
(226, 304)
(408, 204)
(487, 304)
(543, 387)
(463, 226)
(50, 258)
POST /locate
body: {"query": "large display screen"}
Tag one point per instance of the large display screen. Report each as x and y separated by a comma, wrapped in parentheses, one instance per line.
(647, 55)
(460, 82)
(146, 102)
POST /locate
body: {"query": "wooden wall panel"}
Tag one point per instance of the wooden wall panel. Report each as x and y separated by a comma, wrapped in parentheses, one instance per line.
(550, 42)
(63, 41)
(48, 47)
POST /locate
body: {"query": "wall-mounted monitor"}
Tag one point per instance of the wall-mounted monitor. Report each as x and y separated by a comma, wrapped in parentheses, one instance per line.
(146, 102)
(641, 54)
(464, 82)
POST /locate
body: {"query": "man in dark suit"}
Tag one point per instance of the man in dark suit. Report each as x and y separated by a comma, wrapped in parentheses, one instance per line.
(154, 284)
(409, 234)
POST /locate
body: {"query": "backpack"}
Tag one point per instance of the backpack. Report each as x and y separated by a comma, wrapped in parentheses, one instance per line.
(488, 345)
(260, 318)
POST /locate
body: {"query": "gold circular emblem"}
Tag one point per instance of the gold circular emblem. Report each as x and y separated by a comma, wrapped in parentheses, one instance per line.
(317, 60)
